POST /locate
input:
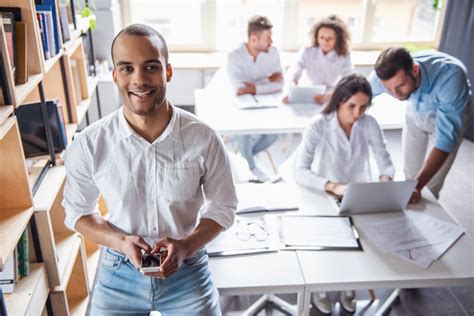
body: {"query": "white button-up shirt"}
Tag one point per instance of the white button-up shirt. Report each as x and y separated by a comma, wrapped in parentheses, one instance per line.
(242, 68)
(327, 154)
(151, 190)
(320, 68)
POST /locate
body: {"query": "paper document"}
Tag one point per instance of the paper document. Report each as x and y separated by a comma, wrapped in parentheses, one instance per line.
(249, 101)
(416, 237)
(265, 197)
(318, 231)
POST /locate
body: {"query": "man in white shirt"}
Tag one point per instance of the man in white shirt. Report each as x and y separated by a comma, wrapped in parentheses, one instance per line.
(166, 180)
(255, 68)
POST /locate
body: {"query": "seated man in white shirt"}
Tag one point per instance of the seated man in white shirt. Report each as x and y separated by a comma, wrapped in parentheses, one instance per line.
(255, 68)
(166, 180)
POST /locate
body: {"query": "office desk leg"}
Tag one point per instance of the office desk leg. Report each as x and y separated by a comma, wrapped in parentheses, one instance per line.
(388, 303)
(269, 301)
(305, 305)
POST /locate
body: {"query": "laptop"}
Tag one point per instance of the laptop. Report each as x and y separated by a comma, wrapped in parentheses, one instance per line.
(305, 94)
(376, 197)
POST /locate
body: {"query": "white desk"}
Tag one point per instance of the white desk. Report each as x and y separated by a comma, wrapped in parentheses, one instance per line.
(265, 273)
(309, 271)
(371, 268)
(215, 106)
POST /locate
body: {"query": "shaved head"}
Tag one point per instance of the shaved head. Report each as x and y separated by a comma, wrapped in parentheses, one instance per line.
(141, 30)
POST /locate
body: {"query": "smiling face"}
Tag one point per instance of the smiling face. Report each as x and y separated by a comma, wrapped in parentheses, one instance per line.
(354, 108)
(141, 73)
(326, 39)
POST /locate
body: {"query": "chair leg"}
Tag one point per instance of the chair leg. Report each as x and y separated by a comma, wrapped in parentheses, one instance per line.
(372, 295)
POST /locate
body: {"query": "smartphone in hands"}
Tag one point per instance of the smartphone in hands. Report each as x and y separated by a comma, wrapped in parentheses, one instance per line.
(150, 263)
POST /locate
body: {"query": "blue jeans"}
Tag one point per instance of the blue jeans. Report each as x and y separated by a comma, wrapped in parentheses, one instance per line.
(250, 145)
(123, 290)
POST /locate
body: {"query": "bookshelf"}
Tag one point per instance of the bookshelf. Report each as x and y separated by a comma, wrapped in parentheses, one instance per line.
(63, 264)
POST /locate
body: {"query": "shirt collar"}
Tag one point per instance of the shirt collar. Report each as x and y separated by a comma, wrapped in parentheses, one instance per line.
(329, 56)
(172, 129)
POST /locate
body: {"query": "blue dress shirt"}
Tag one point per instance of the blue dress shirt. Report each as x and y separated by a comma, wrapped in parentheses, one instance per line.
(444, 91)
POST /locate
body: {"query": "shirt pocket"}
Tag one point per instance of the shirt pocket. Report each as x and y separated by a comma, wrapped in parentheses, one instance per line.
(181, 180)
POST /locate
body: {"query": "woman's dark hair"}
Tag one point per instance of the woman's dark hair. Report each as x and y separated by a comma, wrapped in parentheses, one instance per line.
(346, 88)
(336, 24)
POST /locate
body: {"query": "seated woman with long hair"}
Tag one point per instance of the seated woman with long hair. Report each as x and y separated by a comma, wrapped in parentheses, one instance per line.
(335, 152)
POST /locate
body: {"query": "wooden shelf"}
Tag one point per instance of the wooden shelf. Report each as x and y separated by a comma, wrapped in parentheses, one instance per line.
(67, 248)
(70, 131)
(13, 222)
(5, 111)
(30, 293)
(78, 305)
(6, 126)
(49, 188)
(71, 46)
(49, 64)
(22, 91)
(35, 170)
(82, 109)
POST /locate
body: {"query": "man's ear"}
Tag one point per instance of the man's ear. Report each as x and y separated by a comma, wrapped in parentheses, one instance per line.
(416, 70)
(114, 75)
(169, 72)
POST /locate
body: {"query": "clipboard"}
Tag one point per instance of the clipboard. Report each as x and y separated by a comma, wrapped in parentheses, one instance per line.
(311, 232)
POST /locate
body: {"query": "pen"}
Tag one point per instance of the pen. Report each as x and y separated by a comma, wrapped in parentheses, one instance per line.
(255, 98)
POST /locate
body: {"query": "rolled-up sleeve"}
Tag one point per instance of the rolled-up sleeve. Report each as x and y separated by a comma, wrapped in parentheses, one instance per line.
(218, 186)
(381, 155)
(302, 169)
(453, 98)
(80, 192)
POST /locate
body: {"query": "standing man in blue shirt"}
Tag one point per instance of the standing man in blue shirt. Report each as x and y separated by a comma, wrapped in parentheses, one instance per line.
(438, 93)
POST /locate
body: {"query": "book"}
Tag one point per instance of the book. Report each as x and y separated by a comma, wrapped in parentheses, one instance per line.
(44, 41)
(51, 5)
(8, 21)
(32, 128)
(63, 17)
(6, 80)
(8, 274)
(62, 126)
(48, 16)
(22, 55)
(76, 80)
(14, 14)
(23, 257)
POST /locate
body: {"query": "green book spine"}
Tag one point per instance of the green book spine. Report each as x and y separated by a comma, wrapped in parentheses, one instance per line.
(23, 258)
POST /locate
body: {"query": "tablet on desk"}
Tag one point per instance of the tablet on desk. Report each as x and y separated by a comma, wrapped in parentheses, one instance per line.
(305, 94)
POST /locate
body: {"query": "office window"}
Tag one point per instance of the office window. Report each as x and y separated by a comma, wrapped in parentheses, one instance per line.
(311, 11)
(180, 21)
(232, 17)
(415, 21)
(210, 25)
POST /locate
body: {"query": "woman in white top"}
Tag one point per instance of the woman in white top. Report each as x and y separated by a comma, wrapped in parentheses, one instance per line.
(335, 152)
(326, 60)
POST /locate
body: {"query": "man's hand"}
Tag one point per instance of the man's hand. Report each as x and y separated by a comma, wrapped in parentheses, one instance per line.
(274, 77)
(177, 251)
(385, 178)
(131, 246)
(248, 89)
(415, 196)
(322, 98)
